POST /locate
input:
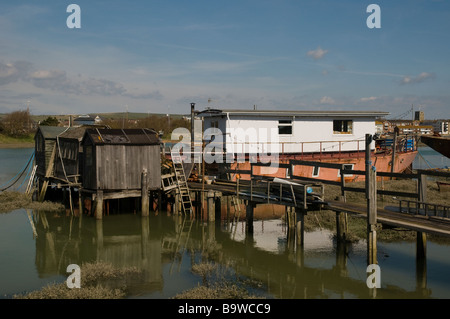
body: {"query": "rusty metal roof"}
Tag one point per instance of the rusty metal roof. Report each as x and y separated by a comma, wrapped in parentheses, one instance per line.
(123, 136)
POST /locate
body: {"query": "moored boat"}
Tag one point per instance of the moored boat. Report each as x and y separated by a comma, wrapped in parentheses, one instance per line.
(236, 140)
(438, 143)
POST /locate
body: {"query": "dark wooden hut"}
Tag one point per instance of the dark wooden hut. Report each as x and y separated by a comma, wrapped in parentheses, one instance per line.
(68, 164)
(114, 159)
(45, 141)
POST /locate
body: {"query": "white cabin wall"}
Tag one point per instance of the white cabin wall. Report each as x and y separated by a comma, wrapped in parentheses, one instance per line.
(308, 134)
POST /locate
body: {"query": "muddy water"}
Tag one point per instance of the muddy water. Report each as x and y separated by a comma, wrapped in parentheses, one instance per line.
(166, 247)
(268, 263)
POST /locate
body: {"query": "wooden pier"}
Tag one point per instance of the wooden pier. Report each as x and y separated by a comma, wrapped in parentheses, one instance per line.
(124, 164)
(301, 195)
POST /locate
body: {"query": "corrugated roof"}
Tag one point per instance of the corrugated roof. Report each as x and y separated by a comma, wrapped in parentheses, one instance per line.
(123, 136)
(50, 132)
(289, 113)
(77, 132)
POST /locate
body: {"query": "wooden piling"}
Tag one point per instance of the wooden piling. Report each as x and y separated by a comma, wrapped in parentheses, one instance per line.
(249, 217)
(300, 226)
(421, 239)
(99, 205)
(210, 209)
(371, 196)
(145, 203)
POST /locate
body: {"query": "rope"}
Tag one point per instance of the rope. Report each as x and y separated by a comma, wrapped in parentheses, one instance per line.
(18, 175)
(426, 162)
(25, 167)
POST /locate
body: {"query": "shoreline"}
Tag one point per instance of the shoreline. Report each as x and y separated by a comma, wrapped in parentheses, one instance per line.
(16, 145)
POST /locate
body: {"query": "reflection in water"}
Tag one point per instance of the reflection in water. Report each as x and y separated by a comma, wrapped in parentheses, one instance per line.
(166, 247)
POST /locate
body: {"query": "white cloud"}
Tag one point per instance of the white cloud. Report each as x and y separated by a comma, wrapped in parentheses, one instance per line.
(417, 79)
(368, 99)
(327, 100)
(317, 54)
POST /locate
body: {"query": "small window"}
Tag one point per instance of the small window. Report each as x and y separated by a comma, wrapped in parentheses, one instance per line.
(284, 127)
(346, 167)
(342, 126)
(316, 171)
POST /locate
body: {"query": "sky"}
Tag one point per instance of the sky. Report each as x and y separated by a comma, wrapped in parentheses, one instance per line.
(157, 56)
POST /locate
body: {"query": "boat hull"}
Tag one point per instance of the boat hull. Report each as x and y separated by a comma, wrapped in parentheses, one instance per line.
(439, 144)
(354, 160)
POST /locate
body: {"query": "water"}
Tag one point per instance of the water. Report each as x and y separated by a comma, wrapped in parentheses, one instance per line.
(268, 262)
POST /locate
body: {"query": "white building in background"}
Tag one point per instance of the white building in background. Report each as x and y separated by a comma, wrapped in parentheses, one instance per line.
(439, 126)
(291, 132)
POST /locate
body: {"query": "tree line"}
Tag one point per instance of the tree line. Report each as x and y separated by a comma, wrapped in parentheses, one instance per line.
(21, 124)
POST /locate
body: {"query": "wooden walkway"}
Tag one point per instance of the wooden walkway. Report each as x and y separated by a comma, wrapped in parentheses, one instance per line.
(420, 223)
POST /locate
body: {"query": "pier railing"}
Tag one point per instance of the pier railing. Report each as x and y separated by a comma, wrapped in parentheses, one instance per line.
(415, 198)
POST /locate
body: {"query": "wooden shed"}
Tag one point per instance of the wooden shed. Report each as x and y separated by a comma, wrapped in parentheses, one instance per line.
(68, 163)
(45, 141)
(114, 159)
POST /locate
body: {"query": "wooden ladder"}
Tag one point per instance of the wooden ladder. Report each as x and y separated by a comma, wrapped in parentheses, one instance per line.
(182, 184)
(31, 181)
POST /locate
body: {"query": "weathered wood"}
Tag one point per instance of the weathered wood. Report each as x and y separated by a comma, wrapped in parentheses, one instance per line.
(211, 207)
(300, 226)
(145, 203)
(394, 150)
(421, 238)
(371, 196)
(99, 205)
(249, 218)
(48, 173)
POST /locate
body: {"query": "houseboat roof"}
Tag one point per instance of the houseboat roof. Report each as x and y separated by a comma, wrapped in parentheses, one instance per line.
(122, 136)
(291, 113)
(77, 132)
(50, 132)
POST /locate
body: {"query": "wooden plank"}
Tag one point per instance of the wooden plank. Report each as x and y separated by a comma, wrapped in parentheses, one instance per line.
(319, 164)
(48, 174)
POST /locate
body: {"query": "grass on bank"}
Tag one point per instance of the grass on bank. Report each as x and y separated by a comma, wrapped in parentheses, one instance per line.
(357, 226)
(8, 140)
(99, 280)
(12, 200)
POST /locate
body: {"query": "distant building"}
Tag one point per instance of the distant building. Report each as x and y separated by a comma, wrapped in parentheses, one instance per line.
(419, 116)
(84, 120)
(415, 129)
(439, 126)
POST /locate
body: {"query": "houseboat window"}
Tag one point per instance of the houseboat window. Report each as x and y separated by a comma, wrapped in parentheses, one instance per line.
(284, 127)
(342, 126)
(346, 167)
(316, 171)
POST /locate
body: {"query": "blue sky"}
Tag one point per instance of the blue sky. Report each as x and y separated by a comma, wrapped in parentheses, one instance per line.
(159, 56)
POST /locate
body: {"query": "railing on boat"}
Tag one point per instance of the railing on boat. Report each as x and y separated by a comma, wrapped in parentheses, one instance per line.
(404, 144)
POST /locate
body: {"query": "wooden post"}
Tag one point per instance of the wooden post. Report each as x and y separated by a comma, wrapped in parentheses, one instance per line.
(99, 205)
(300, 226)
(210, 209)
(218, 209)
(421, 239)
(249, 217)
(394, 149)
(341, 223)
(159, 201)
(228, 209)
(145, 203)
(371, 195)
(48, 173)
